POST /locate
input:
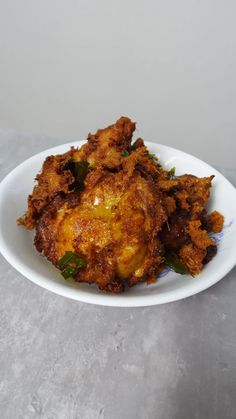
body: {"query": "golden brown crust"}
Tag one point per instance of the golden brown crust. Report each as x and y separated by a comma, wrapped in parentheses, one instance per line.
(197, 191)
(117, 236)
(105, 147)
(53, 179)
(129, 214)
(217, 221)
(192, 257)
(199, 237)
(190, 192)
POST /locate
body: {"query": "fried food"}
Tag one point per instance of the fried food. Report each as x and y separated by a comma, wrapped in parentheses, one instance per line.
(108, 213)
(112, 224)
(53, 179)
(105, 148)
(217, 221)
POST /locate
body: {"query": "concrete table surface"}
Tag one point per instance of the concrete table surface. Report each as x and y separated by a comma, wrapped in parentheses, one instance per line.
(61, 359)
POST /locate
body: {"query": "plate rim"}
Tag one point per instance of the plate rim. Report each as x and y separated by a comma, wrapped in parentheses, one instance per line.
(117, 300)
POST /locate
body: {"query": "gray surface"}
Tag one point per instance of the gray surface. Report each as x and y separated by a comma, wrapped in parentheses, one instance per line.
(61, 359)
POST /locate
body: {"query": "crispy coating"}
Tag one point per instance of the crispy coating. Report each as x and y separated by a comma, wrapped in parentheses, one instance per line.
(198, 236)
(53, 179)
(217, 221)
(102, 149)
(186, 233)
(114, 225)
(105, 148)
(129, 213)
(199, 252)
(190, 192)
(192, 257)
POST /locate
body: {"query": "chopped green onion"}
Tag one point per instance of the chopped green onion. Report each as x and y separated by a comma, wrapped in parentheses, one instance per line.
(69, 272)
(81, 169)
(152, 157)
(80, 263)
(23, 217)
(125, 153)
(64, 261)
(175, 264)
(172, 172)
(70, 264)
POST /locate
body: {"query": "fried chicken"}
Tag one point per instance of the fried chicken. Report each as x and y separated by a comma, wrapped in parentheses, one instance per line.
(104, 149)
(53, 179)
(113, 225)
(113, 205)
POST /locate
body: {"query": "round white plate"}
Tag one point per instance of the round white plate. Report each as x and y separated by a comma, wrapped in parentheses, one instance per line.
(16, 243)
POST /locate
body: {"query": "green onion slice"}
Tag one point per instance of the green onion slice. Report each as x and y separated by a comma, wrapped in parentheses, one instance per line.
(175, 264)
(70, 264)
(68, 272)
(172, 172)
(23, 216)
(125, 153)
(81, 169)
(64, 261)
(152, 156)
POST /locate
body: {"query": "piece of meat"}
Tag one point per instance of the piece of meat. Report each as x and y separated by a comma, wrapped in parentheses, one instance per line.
(199, 251)
(198, 236)
(217, 222)
(104, 149)
(54, 178)
(197, 193)
(191, 193)
(192, 257)
(114, 226)
(186, 238)
(113, 204)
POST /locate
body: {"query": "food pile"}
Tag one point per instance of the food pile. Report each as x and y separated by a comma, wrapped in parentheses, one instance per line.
(108, 213)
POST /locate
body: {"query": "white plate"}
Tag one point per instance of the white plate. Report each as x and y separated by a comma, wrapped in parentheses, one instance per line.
(16, 244)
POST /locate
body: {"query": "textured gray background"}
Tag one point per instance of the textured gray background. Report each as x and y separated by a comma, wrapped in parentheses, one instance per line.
(61, 359)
